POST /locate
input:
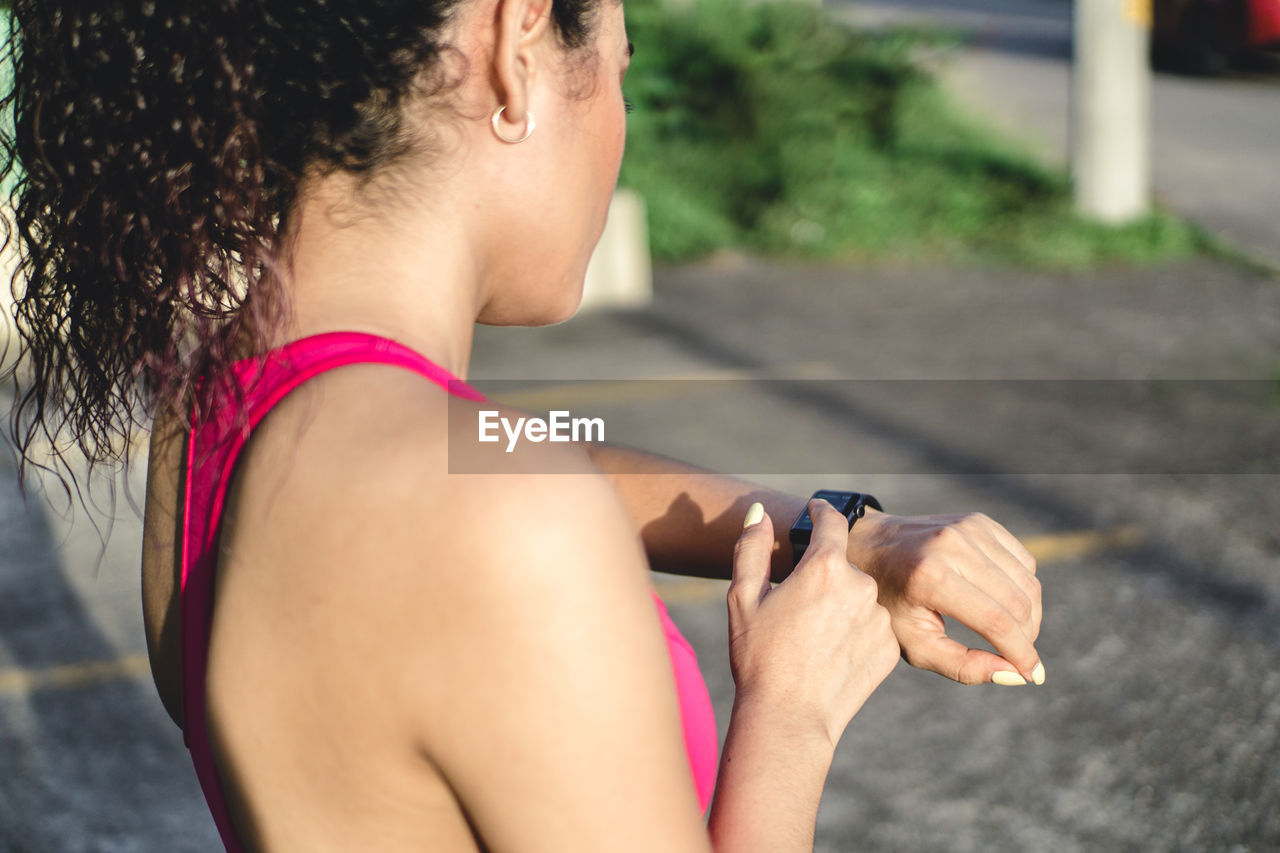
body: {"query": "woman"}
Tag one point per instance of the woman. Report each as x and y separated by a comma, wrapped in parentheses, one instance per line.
(276, 219)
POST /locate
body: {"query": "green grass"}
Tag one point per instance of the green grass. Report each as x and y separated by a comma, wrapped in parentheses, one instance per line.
(770, 128)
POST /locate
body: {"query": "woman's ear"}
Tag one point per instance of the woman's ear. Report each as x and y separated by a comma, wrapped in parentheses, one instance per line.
(523, 27)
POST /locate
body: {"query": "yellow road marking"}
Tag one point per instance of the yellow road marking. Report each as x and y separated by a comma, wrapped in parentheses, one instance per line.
(72, 675)
(1054, 547)
(690, 590)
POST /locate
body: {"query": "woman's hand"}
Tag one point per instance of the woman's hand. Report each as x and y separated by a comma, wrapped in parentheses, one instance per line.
(805, 656)
(966, 567)
(818, 644)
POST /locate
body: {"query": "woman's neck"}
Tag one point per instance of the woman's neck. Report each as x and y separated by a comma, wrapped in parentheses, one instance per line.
(399, 273)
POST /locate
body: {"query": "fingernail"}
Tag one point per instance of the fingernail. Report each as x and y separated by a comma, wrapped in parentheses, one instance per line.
(755, 515)
(1007, 679)
(1037, 674)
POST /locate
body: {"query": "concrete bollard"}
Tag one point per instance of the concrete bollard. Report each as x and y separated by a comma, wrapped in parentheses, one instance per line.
(620, 274)
(1111, 106)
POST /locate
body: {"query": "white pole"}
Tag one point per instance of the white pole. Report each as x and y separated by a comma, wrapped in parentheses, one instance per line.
(1111, 105)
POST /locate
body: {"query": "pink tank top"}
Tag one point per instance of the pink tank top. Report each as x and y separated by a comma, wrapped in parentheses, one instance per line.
(211, 457)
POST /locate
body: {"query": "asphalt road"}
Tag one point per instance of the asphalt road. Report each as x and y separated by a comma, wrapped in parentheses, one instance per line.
(1157, 727)
(1213, 140)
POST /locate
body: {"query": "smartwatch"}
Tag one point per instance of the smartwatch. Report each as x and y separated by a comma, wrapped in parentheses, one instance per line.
(852, 504)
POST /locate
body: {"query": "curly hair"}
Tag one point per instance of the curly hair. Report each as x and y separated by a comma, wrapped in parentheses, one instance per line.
(155, 151)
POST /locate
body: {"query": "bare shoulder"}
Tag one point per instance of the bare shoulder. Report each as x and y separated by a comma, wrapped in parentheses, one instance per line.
(348, 491)
(386, 470)
(375, 445)
(502, 621)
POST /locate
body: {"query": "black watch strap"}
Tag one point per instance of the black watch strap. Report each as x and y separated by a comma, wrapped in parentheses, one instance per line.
(852, 504)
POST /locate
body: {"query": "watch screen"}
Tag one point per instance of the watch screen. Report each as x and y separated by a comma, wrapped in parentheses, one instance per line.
(842, 501)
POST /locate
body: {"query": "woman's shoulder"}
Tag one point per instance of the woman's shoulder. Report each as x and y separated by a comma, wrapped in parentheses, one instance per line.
(387, 441)
(370, 465)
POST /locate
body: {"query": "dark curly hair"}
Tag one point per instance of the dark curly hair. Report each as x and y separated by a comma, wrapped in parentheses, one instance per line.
(155, 149)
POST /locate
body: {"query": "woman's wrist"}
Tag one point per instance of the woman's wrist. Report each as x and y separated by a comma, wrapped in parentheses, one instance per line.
(803, 730)
(772, 771)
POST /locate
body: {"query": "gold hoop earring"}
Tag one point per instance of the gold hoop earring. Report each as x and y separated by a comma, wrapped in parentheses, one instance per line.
(529, 125)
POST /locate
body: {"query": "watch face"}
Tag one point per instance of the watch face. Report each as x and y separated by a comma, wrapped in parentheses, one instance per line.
(845, 502)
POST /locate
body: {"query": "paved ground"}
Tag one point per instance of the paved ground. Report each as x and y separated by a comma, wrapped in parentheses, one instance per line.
(1213, 140)
(1157, 729)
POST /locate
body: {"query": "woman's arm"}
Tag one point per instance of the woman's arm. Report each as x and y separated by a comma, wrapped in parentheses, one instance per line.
(965, 566)
(544, 686)
(542, 689)
(689, 518)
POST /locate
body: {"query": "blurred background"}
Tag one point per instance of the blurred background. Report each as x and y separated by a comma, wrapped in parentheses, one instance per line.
(910, 190)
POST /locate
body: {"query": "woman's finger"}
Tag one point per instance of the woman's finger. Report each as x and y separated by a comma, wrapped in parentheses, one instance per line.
(752, 557)
(1000, 575)
(1007, 552)
(958, 598)
(1007, 540)
(830, 535)
(939, 653)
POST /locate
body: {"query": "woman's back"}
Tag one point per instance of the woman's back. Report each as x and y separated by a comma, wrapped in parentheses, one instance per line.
(312, 643)
(296, 707)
